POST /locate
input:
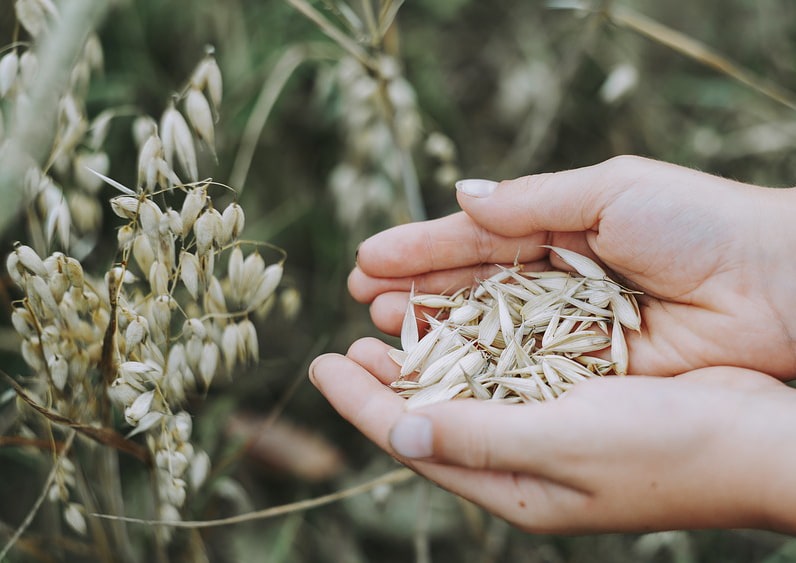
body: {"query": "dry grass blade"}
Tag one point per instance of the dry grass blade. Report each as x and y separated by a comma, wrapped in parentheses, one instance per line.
(698, 51)
(391, 478)
(344, 41)
(36, 505)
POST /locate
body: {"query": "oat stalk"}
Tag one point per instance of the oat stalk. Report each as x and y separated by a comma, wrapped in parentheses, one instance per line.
(390, 478)
(273, 86)
(64, 450)
(334, 33)
(683, 44)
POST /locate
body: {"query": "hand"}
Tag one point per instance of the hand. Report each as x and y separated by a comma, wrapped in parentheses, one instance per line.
(715, 258)
(711, 448)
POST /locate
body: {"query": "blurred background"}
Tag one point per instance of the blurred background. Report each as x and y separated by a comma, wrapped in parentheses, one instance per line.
(331, 140)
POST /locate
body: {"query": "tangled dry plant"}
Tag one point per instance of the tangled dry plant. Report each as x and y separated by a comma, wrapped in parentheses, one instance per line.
(517, 336)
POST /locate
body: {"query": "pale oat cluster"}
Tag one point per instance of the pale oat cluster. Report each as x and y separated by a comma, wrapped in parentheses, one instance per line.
(518, 336)
(71, 216)
(183, 319)
(379, 118)
(172, 314)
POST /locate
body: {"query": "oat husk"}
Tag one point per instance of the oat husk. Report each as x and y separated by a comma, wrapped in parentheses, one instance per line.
(517, 337)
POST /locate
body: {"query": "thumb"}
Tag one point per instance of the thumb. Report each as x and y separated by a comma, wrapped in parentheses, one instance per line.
(568, 201)
(478, 435)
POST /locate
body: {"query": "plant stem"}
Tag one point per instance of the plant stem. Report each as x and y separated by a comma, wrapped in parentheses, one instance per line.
(390, 478)
(284, 68)
(36, 505)
(344, 41)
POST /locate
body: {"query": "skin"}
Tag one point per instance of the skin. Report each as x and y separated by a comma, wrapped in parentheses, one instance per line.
(708, 449)
(709, 446)
(712, 257)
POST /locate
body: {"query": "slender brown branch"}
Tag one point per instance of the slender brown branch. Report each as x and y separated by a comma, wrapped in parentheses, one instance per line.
(105, 436)
(23, 442)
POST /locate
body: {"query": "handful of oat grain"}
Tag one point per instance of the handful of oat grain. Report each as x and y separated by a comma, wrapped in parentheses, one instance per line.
(517, 336)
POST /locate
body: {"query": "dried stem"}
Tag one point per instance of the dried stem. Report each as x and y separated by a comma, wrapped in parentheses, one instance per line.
(421, 540)
(42, 496)
(414, 199)
(683, 44)
(284, 68)
(387, 14)
(390, 478)
(370, 20)
(700, 52)
(345, 42)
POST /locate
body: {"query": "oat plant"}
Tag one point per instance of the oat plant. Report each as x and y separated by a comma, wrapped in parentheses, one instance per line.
(114, 355)
(377, 112)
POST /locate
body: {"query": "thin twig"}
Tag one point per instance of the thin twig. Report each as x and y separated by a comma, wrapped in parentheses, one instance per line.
(390, 478)
(387, 14)
(685, 45)
(421, 538)
(299, 378)
(370, 20)
(42, 496)
(25, 442)
(698, 51)
(344, 41)
(284, 68)
(104, 435)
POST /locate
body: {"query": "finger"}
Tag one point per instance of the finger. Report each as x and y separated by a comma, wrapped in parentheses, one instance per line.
(364, 288)
(442, 244)
(484, 435)
(535, 503)
(572, 200)
(388, 310)
(357, 395)
(371, 354)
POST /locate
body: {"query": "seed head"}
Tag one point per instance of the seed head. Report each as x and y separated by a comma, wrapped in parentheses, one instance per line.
(140, 406)
(177, 139)
(192, 207)
(198, 111)
(9, 66)
(233, 221)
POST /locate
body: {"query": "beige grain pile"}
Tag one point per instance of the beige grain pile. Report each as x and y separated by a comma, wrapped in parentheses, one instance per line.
(517, 336)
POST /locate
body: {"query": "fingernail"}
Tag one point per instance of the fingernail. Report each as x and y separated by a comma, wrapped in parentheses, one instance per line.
(311, 371)
(476, 188)
(412, 437)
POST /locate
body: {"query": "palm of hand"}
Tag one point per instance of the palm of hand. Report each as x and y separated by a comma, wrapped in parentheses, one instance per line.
(613, 454)
(713, 295)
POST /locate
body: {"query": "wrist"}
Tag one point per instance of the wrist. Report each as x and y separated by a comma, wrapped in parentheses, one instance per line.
(773, 467)
(768, 252)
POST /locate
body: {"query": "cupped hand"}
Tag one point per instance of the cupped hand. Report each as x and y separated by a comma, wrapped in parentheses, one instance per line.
(710, 448)
(713, 257)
